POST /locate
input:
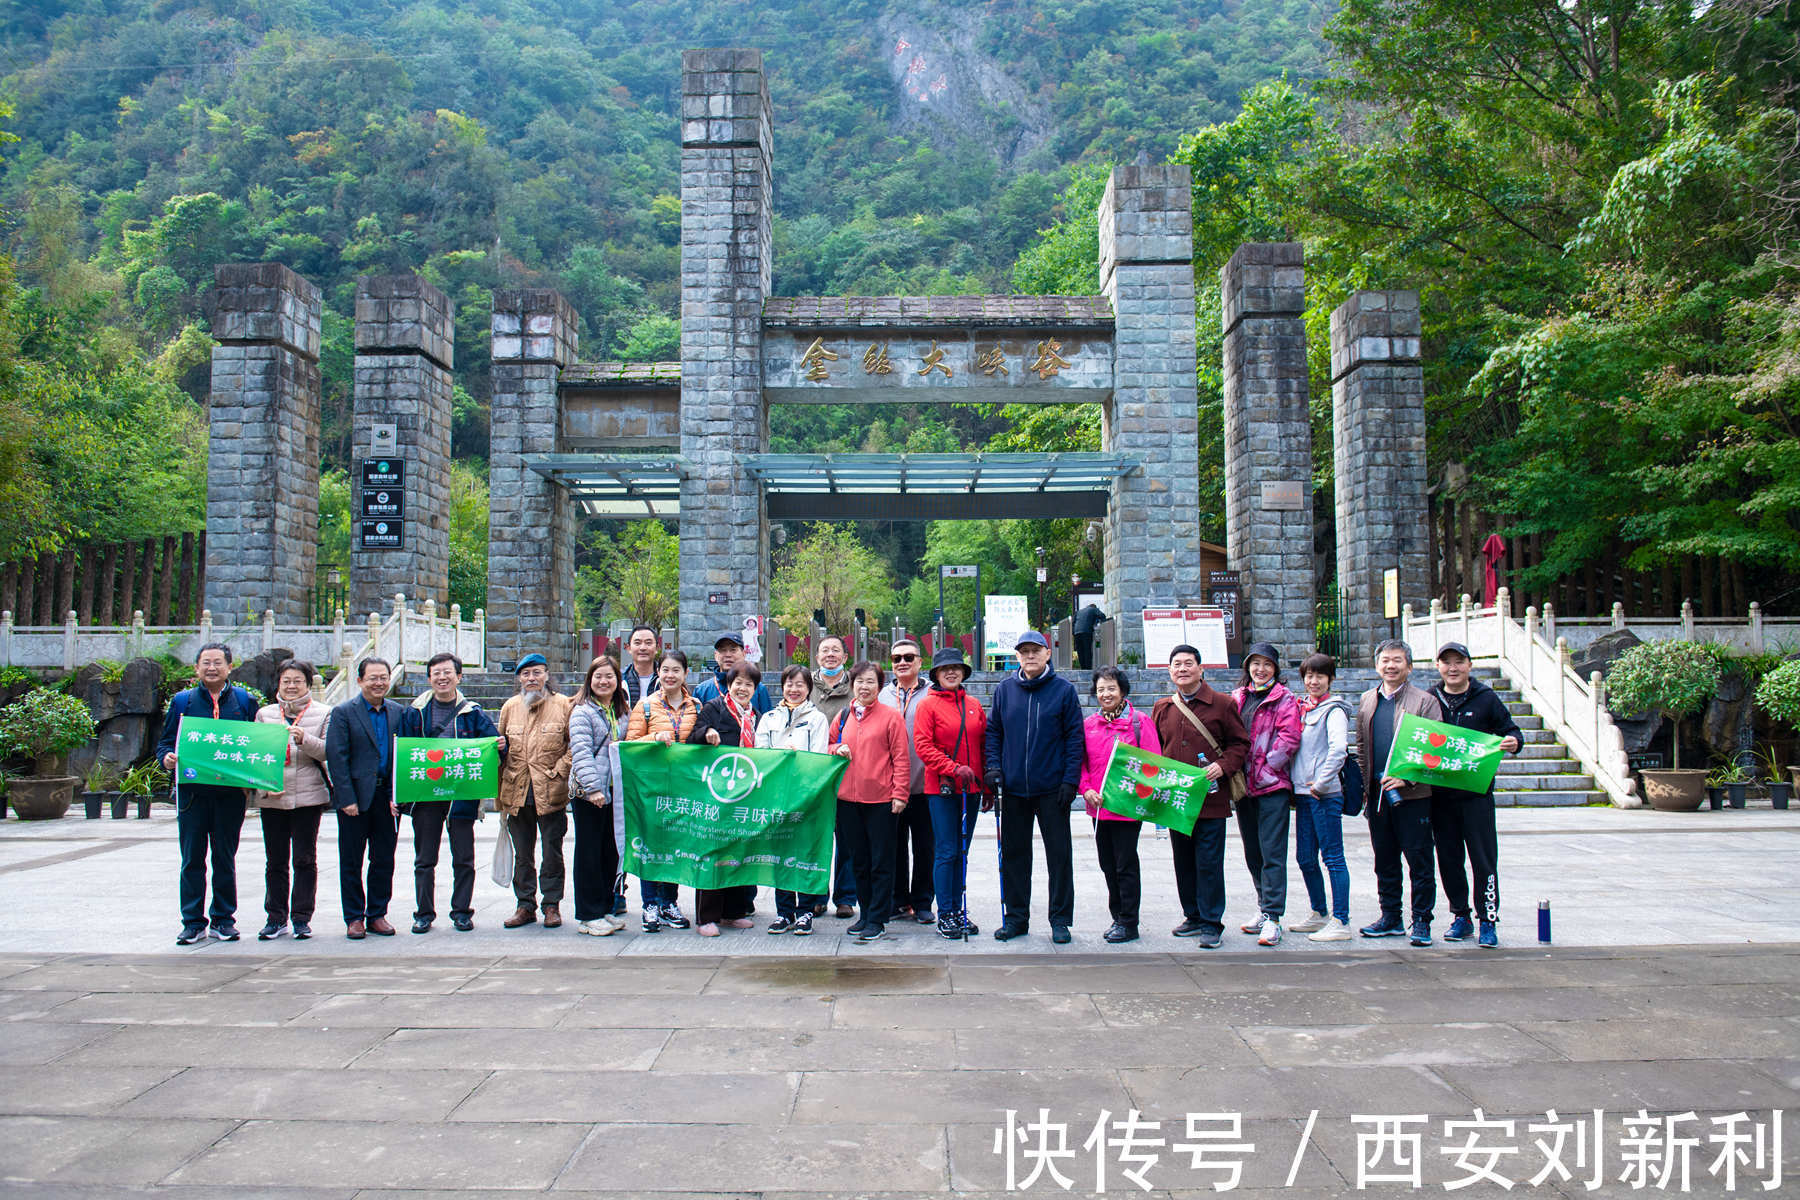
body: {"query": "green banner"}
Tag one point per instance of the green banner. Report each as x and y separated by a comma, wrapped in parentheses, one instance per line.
(247, 754)
(1443, 755)
(1149, 787)
(713, 817)
(429, 769)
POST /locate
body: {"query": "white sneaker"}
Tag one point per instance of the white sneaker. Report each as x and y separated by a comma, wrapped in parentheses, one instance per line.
(604, 927)
(1316, 921)
(1334, 931)
(1253, 925)
(617, 923)
(1271, 932)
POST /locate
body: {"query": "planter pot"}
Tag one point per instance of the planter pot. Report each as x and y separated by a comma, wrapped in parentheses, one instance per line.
(1674, 791)
(1734, 794)
(1780, 792)
(36, 799)
(120, 804)
(91, 803)
(1715, 797)
(143, 806)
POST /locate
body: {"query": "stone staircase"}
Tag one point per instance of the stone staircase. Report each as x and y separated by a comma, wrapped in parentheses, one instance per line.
(1541, 775)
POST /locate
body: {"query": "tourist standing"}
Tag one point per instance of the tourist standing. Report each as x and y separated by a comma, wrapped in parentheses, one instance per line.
(594, 722)
(912, 872)
(1319, 801)
(950, 734)
(871, 795)
(638, 679)
(1115, 836)
(1399, 811)
(1271, 715)
(667, 717)
(1462, 823)
(359, 756)
(442, 711)
(728, 721)
(831, 692)
(1197, 725)
(794, 724)
(290, 817)
(534, 790)
(728, 652)
(1033, 754)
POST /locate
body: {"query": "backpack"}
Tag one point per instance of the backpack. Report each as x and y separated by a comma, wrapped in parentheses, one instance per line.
(1350, 778)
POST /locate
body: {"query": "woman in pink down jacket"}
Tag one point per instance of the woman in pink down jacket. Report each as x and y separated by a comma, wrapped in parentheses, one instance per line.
(1272, 715)
(1115, 837)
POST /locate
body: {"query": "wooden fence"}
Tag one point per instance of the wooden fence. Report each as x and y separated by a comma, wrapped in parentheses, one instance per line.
(164, 578)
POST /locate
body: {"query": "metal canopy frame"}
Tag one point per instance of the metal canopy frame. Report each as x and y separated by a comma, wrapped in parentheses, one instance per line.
(617, 485)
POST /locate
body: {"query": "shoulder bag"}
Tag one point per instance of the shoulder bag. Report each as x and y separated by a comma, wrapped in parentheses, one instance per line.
(1234, 784)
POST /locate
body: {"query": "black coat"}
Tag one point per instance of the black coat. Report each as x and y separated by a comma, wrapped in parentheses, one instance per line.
(352, 758)
(714, 715)
(1480, 709)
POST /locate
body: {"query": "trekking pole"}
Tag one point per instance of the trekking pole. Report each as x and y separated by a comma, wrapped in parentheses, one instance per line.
(962, 875)
(999, 854)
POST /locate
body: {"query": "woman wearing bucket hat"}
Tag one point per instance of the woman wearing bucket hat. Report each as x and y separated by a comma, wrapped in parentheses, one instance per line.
(949, 733)
(1272, 715)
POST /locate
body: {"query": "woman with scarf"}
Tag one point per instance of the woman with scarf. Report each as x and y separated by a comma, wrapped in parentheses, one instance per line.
(290, 817)
(1319, 800)
(1272, 715)
(667, 715)
(1115, 837)
(871, 795)
(794, 724)
(729, 720)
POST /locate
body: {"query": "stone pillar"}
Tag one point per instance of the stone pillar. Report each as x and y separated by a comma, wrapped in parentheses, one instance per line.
(1378, 432)
(1268, 445)
(531, 522)
(726, 144)
(262, 468)
(405, 345)
(1146, 269)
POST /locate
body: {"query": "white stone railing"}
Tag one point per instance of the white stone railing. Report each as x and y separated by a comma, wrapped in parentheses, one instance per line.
(1573, 708)
(1751, 634)
(407, 638)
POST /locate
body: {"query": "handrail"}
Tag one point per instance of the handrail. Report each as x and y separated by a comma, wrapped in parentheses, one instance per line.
(1573, 708)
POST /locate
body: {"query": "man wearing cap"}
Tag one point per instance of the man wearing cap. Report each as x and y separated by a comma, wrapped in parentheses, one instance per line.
(1034, 748)
(1462, 823)
(534, 789)
(728, 652)
(1399, 812)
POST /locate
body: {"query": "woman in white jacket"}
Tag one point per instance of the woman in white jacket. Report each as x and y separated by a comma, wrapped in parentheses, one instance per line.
(290, 817)
(795, 724)
(1319, 799)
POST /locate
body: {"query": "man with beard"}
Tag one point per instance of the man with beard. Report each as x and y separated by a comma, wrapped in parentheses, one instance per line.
(534, 789)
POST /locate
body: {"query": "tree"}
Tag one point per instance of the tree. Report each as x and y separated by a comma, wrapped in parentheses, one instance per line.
(636, 577)
(830, 569)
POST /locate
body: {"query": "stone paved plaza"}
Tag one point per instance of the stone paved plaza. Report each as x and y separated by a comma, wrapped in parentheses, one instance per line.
(456, 1065)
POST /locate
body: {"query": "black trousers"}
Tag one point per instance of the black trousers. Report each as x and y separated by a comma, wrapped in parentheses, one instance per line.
(1200, 872)
(1463, 823)
(429, 820)
(1117, 842)
(291, 834)
(376, 834)
(1397, 832)
(867, 831)
(596, 859)
(1263, 824)
(1051, 812)
(712, 905)
(912, 882)
(208, 821)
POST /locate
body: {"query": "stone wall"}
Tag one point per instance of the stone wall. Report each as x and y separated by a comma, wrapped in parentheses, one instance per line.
(1268, 444)
(262, 471)
(726, 243)
(405, 338)
(1152, 542)
(1378, 421)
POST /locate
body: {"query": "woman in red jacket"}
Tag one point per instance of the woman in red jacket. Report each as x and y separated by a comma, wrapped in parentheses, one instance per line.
(949, 732)
(871, 795)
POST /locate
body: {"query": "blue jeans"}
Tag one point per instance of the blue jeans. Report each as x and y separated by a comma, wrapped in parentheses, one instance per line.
(1319, 835)
(843, 879)
(655, 892)
(952, 829)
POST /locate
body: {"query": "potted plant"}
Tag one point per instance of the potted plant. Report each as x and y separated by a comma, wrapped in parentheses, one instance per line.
(1715, 789)
(141, 783)
(1735, 780)
(44, 726)
(98, 787)
(1779, 695)
(1781, 788)
(1670, 680)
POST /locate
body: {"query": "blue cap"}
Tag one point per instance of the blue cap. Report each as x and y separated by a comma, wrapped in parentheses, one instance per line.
(532, 660)
(1031, 637)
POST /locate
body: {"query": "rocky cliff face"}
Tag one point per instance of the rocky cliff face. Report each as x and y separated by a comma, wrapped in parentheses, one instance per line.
(946, 86)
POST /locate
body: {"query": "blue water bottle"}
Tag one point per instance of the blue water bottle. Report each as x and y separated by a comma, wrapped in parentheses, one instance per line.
(1544, 922)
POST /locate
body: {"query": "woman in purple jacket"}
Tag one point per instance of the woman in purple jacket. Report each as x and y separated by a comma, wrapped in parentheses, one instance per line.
(1115, 837)
(1272, 716)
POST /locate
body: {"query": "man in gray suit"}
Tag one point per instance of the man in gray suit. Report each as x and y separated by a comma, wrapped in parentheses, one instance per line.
(359, 753)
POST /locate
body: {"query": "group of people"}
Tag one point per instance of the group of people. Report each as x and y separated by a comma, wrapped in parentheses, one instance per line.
(925, 760)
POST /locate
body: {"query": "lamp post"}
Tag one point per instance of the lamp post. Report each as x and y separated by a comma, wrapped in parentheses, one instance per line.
(1043, 577)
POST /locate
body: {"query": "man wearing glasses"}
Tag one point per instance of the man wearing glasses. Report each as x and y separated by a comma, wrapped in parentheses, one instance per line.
(912, 887)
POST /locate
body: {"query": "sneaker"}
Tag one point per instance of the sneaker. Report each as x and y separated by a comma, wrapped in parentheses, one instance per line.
(1270, 933)
(950, 929)
(225, 931)
(671, 915)
(1209, 939)
(1385, 926)
(922, 916)
(874, 931)
(1059, 934)
(1334, 931)
(781, 925)
(600, 927)
(271, 931)
(1420, 934)
(803, 924)
(1252, 926)
(302, 931)
(969, 928)
(707, 929)
(652, 919)
(1488, 939)
(1313, 923)
(190, 934)
(862, 923)
(1188, 928)
(1459, 929)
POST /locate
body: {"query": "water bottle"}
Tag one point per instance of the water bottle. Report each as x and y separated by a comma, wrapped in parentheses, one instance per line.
(1544, 922)
(1392, 797)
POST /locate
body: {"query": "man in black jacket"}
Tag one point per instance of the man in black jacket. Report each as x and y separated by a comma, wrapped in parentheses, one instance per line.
(359, 756)
(1463, 822)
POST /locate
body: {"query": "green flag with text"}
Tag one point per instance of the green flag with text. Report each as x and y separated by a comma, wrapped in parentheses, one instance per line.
(247, 754)
(713, 817)
(1149, 787)
(1443, 755)
(446, 769)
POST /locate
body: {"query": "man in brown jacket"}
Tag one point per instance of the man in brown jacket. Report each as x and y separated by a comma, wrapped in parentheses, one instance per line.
(1399, 812)
(534, 788)
(1221, 748)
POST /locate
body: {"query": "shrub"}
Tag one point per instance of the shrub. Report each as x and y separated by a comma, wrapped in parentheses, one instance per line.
(44, 723)
(1779, 693)
(1670, 679)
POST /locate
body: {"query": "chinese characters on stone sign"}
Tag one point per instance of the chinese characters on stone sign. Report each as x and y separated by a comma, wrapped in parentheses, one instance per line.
(990, 359)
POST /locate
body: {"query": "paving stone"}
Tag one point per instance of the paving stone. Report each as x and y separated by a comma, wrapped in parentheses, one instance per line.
(28, 1043)
(520, 1049)
(1658, 1086)
(328, 976)
(452, 1011)
(74, 1090)
(693, 1051)
(211, 1009)
(1545, 970)
(937, 1097)
(711, 1011)
(970, 1011)
(1392, 1045)
(1434, 1003)
(180, 1046)
(1291, 1006)
(107, 1150)
(33, 1006)
(629, 1097)
(307, 1095)
(830, 977)
(612, 979)
(1287, 1091)
(387, 1154)
(1062, 978)
(1694, 1036)
(168, 974)
(832, 1158)
(1357, 970)
(1044, 1046)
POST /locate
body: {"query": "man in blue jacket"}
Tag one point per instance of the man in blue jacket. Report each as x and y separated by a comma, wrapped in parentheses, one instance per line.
(207, 816)
(1033, 758)
(728, 652)
(444, 712)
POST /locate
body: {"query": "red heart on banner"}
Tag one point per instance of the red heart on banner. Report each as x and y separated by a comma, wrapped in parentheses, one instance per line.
(1431, 760)
(1438, 739)
(1145, 791)
(1149, 770)
(435, 755)
(434, 773)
